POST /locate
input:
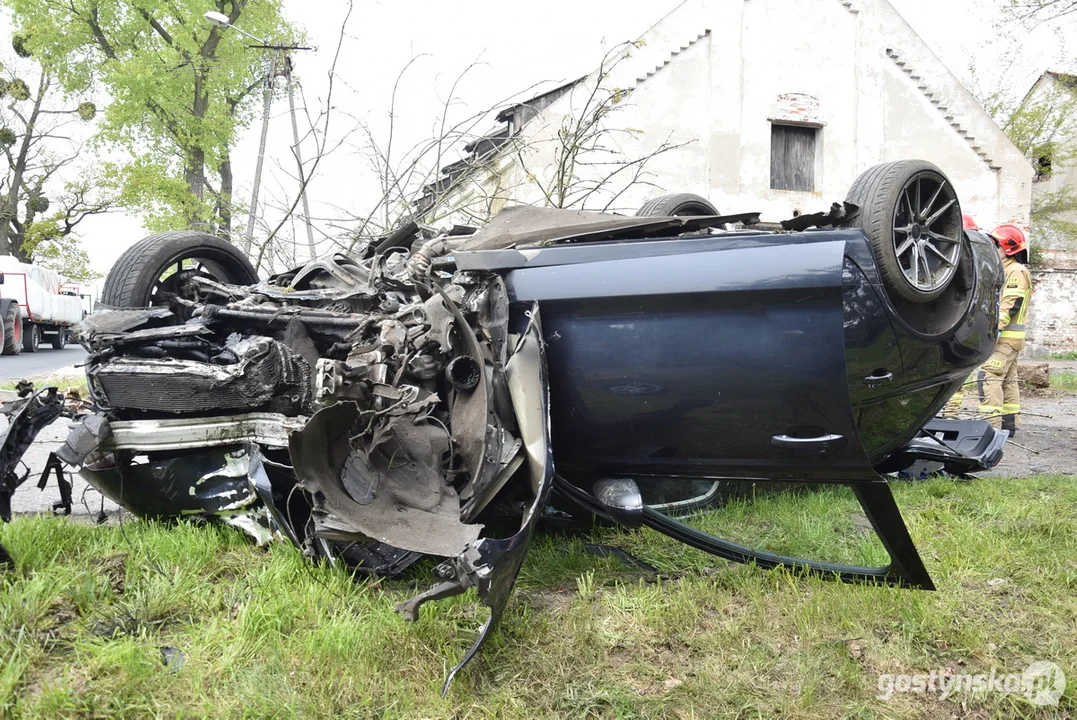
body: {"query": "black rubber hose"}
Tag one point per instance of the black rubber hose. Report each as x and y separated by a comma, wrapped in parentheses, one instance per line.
(463, 372)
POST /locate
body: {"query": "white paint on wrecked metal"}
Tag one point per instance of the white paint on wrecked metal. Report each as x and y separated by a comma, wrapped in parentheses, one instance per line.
(236, 465)
(249, 523)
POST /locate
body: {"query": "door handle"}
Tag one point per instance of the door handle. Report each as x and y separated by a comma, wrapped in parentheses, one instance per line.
(879, 377)
(813, 444)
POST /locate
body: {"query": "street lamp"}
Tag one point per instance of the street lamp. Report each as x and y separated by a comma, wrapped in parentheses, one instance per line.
(218, 19)
(222, 21)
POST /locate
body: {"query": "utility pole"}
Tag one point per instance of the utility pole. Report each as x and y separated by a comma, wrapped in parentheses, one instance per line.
(267, 102)
(299, 157)
(279, 64)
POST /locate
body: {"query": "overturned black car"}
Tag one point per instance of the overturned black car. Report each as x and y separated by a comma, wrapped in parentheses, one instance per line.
(379, 408)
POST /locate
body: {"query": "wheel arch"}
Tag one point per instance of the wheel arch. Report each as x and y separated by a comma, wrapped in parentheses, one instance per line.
(133, 277)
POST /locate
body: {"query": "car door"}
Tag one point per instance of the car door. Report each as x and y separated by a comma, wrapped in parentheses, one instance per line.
(713, 357)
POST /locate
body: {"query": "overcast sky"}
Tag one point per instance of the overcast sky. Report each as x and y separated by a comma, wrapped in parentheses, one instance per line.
(516, 46)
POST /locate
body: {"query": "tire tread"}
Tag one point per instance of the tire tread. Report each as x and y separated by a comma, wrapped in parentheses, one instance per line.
(871, 192)
(130, 279)
(11, 320)
(664, 205)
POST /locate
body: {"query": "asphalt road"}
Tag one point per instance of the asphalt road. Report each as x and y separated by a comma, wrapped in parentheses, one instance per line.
(45, 360)
(28, 498)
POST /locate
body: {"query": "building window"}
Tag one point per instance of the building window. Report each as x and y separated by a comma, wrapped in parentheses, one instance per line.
(1043, 168)
(792, 157)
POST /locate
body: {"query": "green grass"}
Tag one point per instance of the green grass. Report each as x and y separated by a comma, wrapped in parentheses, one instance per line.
(1068, 355)
(86, 611)
(1064, 381)
(63, 382)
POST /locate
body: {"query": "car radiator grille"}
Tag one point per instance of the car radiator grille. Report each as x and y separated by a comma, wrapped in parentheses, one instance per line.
(271, 376)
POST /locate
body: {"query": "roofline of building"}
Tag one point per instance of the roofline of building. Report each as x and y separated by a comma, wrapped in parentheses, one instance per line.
(506, 113)
(1061, 77)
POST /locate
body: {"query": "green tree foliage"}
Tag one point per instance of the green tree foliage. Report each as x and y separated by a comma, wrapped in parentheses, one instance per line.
(1044, 126)
(179, 88)
(39, 209)
(53, 246)
(1041, 120)
(1042, 123)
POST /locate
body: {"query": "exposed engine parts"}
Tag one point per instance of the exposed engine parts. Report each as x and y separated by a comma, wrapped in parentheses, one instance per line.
(362, 409)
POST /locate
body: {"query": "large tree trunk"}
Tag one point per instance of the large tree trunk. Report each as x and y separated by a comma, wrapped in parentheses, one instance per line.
(9, 243)
(196, 184)
(224, 204)
(196, 158)
(7, 225)
(18, 242)
(18, 250)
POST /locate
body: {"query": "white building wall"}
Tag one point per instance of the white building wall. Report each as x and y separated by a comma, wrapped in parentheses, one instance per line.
(708, 76)
(807, 48)
(914, 128)
(710, 73)
(1052, 315)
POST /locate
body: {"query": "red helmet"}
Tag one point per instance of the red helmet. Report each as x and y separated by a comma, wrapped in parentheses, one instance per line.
(1010, 238)
(968, 223)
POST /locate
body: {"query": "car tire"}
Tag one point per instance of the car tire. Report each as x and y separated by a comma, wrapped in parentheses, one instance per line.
(31, 337)
(59, 340)
(12, 326)
(917, 249)
(137, 274)
(677, 204)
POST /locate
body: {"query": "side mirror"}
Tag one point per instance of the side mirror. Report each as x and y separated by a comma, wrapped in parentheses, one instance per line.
(1, 278)
(621, 499)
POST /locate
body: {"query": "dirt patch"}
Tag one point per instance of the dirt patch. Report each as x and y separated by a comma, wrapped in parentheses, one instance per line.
(67, 676)
(546, 601)
(652, 688)
(1034, 375)
(1047, 428)
(114, 568)
(54, 624)
(1046, 440)
(1063, 365)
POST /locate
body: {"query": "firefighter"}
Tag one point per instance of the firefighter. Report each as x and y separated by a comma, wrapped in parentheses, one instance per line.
(953, 405)
(1001, 403)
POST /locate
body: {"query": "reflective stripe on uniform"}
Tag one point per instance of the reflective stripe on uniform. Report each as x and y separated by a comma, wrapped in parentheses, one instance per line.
(990, 409)
(1014, 301)
(1010, 408)
(1020, 319)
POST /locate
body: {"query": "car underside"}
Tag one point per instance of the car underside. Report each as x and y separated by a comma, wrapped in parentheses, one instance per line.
(408, 400)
